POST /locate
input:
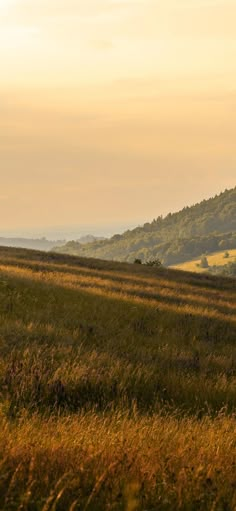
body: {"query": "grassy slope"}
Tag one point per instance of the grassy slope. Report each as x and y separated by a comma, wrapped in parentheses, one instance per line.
(217, 258)
(113, 378)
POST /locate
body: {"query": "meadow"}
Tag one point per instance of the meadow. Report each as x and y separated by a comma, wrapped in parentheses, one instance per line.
(214, 259)
(117, 386)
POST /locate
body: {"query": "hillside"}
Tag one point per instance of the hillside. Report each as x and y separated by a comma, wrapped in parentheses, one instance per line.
(117, 386)
(43, 243)
(89, 238)
(215, 260)
(205, 227)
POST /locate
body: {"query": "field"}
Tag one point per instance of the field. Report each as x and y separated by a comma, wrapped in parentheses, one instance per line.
(215, 259)
(117, 386)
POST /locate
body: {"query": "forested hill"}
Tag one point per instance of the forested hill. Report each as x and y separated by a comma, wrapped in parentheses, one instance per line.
(204, 227)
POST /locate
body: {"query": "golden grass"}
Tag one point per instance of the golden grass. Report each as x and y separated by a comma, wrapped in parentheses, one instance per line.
(117, 386)
(159, 292)
(214, 259)
(108, 462)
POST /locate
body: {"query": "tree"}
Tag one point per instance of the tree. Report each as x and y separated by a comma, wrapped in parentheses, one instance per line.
(204, 262)
(155, 262)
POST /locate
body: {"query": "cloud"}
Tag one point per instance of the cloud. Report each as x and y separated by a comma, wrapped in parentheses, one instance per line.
(61, 8)
(149, 19)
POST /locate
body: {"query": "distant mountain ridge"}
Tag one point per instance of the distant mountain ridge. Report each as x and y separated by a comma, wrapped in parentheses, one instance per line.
(43, 243)
(207, 226)
(30, 243)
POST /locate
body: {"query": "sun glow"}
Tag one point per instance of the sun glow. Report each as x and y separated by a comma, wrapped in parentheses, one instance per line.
(4, 3)
(110, 100)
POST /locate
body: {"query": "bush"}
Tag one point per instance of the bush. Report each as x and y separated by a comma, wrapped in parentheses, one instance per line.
(137, 261)
(204, 262)
(155, 262)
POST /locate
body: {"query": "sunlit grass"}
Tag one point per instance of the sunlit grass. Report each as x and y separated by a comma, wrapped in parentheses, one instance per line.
(117, 386)
(108, 461)
(215, 259)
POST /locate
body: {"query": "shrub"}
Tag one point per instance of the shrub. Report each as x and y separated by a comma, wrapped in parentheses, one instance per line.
(204, 262)
(155, 262)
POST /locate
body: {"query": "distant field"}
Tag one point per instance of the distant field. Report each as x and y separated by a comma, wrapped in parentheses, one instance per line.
(117, 386)
(217, 258)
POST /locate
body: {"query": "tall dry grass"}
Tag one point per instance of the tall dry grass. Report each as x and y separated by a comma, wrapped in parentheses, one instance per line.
(117, 386)
(119, 461)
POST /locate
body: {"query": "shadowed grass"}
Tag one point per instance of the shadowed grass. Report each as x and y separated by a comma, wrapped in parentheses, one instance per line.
(146, 358)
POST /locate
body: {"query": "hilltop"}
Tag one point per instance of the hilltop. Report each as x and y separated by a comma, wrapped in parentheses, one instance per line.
(205, 227)
(117, 386)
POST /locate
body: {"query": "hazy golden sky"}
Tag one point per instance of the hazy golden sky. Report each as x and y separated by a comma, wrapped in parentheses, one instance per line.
(114, 110)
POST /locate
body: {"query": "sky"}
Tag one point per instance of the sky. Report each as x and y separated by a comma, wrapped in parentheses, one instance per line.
(114, 111)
